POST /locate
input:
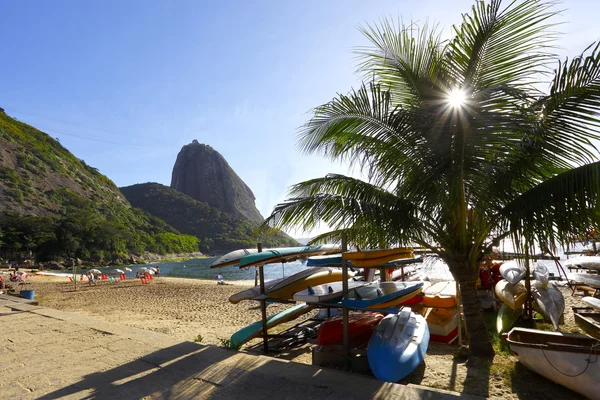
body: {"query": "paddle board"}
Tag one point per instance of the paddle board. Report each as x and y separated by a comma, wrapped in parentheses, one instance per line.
(255, 330)
(398, 345)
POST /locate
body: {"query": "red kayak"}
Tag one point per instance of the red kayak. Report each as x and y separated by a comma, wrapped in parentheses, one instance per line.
(360, 328)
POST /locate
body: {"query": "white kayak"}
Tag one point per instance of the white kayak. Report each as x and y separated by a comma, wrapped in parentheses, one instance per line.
(568, 359)
(513, 296)
(513, 271)
(232, 258)
(326, 292)
(592, 302)
(549, 300)
(583, 262)
(252, 292)
(541, 274)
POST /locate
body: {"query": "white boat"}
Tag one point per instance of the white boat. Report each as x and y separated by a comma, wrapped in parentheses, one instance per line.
(583, 262)
(513, 271)
(592, 302)
(569, 359)
(513, 296)
(549, 300)
(587, 279)
(326, 292)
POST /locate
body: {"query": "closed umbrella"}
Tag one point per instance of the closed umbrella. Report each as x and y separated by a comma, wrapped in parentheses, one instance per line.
(95, 271)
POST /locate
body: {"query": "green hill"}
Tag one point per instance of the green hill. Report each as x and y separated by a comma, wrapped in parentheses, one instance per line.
(56, 206)
(217, 230)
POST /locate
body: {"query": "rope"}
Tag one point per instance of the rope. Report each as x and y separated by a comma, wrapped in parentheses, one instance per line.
(593, 349)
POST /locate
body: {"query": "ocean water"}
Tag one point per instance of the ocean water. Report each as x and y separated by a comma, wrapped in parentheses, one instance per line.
(199, 268)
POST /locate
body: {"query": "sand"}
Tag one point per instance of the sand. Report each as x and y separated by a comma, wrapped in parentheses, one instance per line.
(189, 308)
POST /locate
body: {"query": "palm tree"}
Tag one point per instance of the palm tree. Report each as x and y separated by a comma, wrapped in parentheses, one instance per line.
(460, 146)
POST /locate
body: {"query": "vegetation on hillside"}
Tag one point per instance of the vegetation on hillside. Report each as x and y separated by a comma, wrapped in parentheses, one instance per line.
(56, 206)
(216, 230)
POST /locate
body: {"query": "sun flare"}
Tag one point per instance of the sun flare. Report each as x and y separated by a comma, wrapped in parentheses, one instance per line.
(456, 98)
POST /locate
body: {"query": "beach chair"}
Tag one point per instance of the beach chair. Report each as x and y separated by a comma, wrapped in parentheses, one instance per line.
(144, 281)
(71, 279)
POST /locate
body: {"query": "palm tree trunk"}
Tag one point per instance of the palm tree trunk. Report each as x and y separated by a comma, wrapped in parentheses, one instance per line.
(479, 340)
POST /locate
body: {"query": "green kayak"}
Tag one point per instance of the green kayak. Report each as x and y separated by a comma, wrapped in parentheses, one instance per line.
(507, 317)
(287, 254)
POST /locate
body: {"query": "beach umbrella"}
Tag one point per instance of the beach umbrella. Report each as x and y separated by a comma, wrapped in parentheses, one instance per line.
(95, 271)
(150, 271)
(127, 269)
(142, 269)
(120, 271)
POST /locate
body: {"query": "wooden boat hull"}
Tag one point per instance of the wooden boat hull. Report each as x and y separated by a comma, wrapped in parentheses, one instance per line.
(566, 359)
(440, 295)
(588, 321)
(513, 296)
(373, 254)
(442, 322)
(397, 345)
(327, 292)
(286, 254)
(507, 317)
(255, 330)
(360, 328)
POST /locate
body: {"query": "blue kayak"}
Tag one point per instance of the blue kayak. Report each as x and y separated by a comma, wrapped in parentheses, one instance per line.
(319, 261)
(377, 293)
(398, 345)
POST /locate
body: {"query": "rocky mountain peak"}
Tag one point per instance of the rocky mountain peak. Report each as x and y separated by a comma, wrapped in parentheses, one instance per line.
(202, 173)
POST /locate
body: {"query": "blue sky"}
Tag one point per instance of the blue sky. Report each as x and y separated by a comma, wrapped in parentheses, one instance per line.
(125, 84)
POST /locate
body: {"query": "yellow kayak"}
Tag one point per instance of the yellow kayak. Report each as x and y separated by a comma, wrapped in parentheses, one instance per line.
(442, 294)
(375, 262)
(513, 296)
(286, 289)
(371, 254)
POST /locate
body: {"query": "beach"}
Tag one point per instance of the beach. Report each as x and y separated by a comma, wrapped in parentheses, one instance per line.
(189, 308)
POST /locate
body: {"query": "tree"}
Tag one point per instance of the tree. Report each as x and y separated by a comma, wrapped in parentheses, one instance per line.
(461, 147)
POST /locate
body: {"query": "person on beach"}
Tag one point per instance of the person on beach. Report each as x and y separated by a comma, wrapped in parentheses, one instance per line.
(157, 271)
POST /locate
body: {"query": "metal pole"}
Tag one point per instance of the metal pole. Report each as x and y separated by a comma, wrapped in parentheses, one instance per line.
(346, 339)
(458, 305)
(528, 309)
(263, 303)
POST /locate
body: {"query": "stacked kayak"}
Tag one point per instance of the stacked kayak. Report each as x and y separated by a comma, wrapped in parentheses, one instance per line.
(549, 301)
(375, 258)
(285, 289)
(440, 295)
(253, 292)
(398, 345)
(232, 258)
(360, 328)
(327, 292)
(513, 271)
(286, 254)
(513, 296)
(418, 298)
(379, 295)
(255, 330)
(443, 325)
(507, 317)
